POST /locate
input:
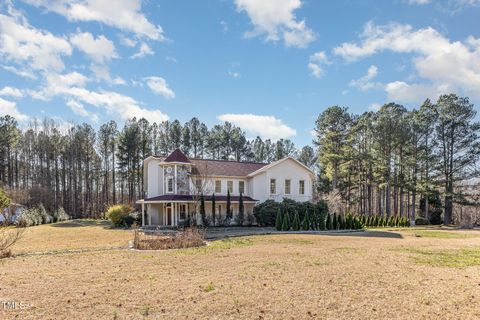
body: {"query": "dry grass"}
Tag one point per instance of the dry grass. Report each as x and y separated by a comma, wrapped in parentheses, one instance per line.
(71, 235)
(373, 275)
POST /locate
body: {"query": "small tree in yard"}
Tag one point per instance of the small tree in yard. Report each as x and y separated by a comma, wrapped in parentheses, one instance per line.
(335, 222)
(314, 220)
(8, 236)
(229, 206)
(286, 222)
(278, 220)
(306, 222)
(213, 209)
(241, 210)
(296, 222)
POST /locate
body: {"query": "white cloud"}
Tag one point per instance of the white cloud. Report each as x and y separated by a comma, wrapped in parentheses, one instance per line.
(267, 127)
(99, 49)
(122, 14)
(276, 19)
(127, 41)
(143, 51)
(21, 72)
(234, 74)
(316, 61)
(80, 110)
(31, 47)
(12, 92)
(375, 106)
(365, 83)
(159, 85)
(441, 64)
(103, 73)
(10, 108)
(420, 2)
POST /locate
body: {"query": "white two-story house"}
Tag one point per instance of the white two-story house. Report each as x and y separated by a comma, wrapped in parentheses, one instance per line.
(174, 185)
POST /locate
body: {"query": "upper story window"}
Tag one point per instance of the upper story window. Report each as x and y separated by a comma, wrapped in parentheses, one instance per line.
(230, 186)
(218, 186)
(198, 185)
(287, 186)
(241, 186)
(170, 185)
(273, 186)
(301, 187)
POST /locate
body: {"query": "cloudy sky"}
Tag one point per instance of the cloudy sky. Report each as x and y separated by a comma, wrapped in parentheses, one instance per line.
(269, 66)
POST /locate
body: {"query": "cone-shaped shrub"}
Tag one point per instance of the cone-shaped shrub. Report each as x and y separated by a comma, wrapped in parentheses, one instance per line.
(334, 221)
(286, 222)
(329, 222)
(314, 221)
(278, 220)
(322, 223)
(296, 222)
(341, 222)
(306, 222)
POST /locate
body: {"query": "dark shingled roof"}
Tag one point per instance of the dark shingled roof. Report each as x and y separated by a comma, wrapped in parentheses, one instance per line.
(181, 197)
(177, 156)
(206, 167)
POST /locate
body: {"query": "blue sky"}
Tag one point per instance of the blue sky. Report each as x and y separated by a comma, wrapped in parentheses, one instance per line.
(269, 66)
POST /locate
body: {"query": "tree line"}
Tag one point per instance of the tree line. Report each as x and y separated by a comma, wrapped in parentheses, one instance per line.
(382, 162)
(85, 170)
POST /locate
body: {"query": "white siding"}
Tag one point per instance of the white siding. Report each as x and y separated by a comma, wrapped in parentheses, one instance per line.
(288, 169)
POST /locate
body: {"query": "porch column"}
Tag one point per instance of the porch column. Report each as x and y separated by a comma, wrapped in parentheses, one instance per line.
(171, 212)
(143, 214)
(149, 216)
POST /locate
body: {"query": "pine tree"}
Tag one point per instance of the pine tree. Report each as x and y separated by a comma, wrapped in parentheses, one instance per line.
(335, 221)
(278, 220)
(314, 220)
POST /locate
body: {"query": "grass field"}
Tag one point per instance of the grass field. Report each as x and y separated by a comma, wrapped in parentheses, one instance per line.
(400, 274)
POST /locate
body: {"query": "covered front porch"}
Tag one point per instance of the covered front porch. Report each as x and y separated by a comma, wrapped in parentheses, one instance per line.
(166, 213)
(174, 210)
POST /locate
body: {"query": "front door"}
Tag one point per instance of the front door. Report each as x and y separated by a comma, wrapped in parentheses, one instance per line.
(169, 215)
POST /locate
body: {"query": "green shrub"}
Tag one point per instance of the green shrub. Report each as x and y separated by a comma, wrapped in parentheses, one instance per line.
(46, 218)
(265, 212)
(60, 215)
(314, 220)
(421, 221)
(436, 217)
(322, 222)
(341, 222)
(334, 221)
(296, 222)
(278, 220)
(118, 213)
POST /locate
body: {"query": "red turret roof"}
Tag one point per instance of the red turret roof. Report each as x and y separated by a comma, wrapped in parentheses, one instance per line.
(177, 156)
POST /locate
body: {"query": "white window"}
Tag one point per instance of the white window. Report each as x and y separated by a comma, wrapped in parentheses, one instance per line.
(218, 186)
(170, 185)
(273, 186)
(301, 187)
(241, 186)
(287, 186)
(230, 186)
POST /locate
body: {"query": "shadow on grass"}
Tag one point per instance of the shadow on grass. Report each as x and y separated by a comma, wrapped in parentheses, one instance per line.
(83, 223)
(367, 234)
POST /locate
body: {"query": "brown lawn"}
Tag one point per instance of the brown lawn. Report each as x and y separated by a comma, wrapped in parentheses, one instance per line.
(413, 274)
